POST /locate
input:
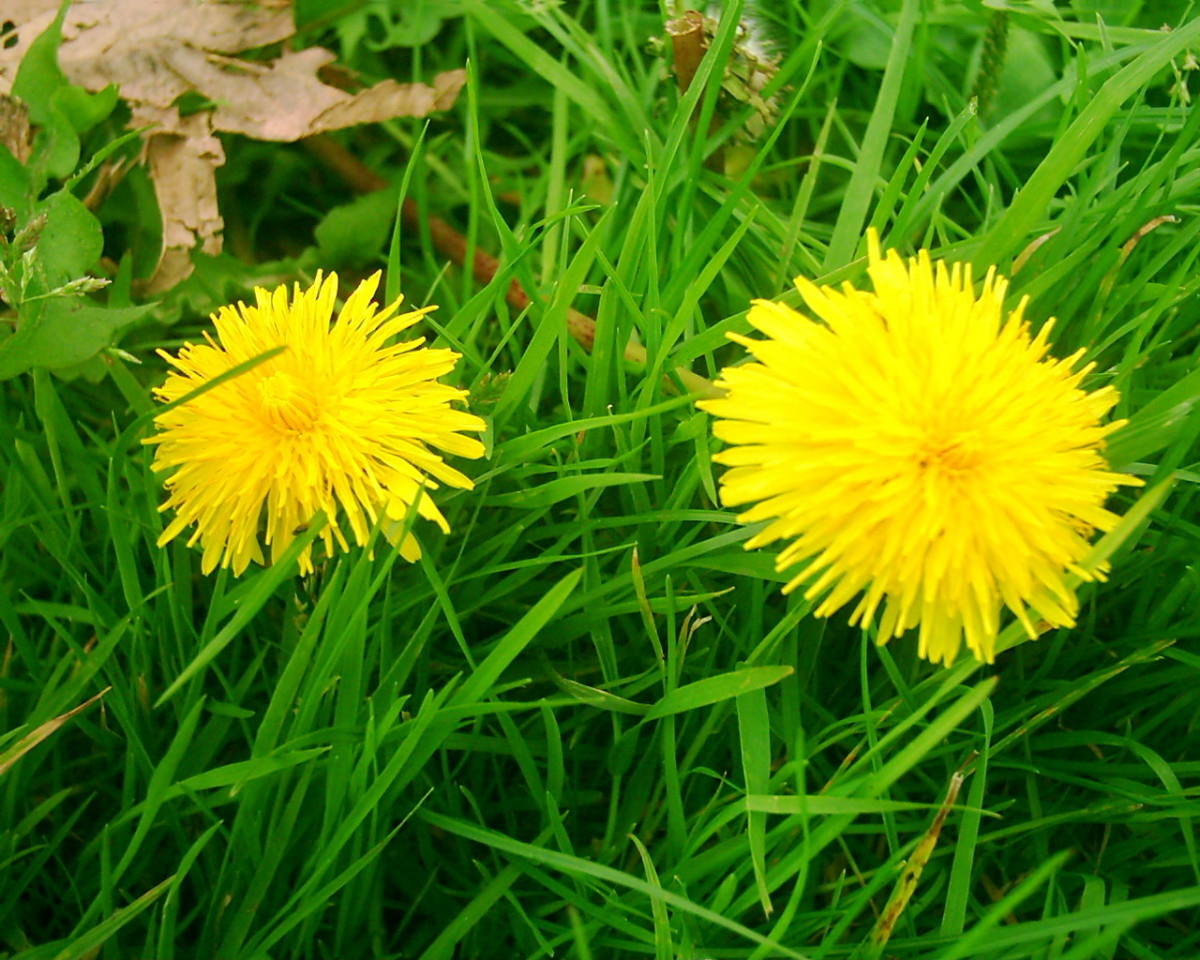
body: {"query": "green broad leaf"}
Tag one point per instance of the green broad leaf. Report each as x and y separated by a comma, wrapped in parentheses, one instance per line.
(1110, 11)
(867, 41)
(64, 331)
(71, 241)
(38, 79)
(313, 13)
(16, 187)
(55, 149)
(82, 109)
(1027, 73)
(704, 693)
(353, 234)
(39, 75)
(414, 25)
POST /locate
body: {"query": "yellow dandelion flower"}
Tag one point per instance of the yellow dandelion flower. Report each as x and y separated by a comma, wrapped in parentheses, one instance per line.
(344, 421)
(920, 449)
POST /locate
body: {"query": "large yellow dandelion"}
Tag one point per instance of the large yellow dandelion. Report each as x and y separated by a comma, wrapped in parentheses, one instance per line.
(344, 420)
(918, 450)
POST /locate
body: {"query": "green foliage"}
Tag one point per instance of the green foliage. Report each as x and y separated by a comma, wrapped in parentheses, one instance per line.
(50, 242)
(587, 723)
(354, 233)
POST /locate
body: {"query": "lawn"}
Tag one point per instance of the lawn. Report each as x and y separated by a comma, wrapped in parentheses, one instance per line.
(588, 722)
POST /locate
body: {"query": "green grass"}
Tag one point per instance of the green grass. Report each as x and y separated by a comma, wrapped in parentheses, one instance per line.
(587, 724)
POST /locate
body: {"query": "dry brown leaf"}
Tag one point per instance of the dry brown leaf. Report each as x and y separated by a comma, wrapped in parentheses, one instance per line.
(283, 100)
(181, 165)
(141, 45)
(157, 50)
(18, 12)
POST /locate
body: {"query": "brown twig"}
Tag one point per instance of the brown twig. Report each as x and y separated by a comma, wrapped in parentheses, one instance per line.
(452, 244)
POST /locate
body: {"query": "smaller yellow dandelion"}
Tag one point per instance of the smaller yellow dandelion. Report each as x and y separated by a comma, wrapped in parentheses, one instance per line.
(919, 451)
(343, 420)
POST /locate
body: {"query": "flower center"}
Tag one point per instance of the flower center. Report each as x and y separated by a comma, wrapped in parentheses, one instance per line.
(949, 454)
(289, 403)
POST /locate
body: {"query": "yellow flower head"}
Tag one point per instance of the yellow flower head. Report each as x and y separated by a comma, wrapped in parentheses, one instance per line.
(919, 449)
(343, 418)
